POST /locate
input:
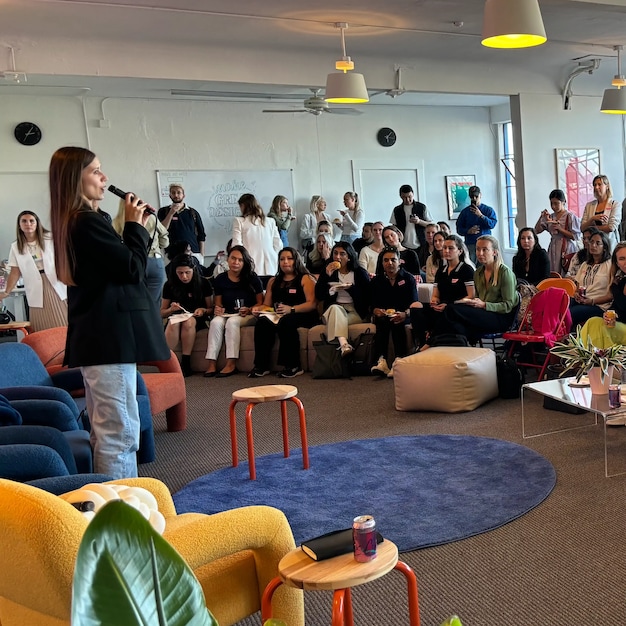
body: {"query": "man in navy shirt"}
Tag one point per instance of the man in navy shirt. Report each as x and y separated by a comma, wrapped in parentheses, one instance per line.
(183, 223)
(475, 220)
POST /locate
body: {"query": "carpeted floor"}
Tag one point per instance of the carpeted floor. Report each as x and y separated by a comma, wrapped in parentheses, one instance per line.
(423, 491)
(560, 564)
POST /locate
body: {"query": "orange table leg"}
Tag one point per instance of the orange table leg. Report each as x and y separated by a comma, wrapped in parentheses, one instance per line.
(414, 606)
(283, 417)
(233, 433)
(303, 435)
(250, 438)
(266, 598)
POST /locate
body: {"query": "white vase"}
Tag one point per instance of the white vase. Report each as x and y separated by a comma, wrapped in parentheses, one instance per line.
(598, 387)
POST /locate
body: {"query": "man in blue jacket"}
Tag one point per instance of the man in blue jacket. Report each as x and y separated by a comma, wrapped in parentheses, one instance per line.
(475, 220)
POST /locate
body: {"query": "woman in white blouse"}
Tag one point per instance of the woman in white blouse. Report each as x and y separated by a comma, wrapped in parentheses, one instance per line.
(604, 213)
(258, 235)
(352, 218)
(308, 228)
(32, 258)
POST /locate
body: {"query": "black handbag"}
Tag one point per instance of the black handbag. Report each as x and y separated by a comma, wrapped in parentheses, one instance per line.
(328, 360)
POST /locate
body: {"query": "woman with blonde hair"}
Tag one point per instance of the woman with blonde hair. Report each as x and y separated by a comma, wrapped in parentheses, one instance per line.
(604, 213)
(493, 307)
(159, 240)
(308, 228)
(257, 235)
(113, 322)
(32, 259)
(317, 259)
(352, 218)
(283, 215)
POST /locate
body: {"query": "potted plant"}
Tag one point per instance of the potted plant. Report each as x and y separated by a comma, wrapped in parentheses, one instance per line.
(126, 573)
(579, 355)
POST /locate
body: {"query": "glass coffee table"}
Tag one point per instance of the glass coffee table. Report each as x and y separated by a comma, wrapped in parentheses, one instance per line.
(555, 406)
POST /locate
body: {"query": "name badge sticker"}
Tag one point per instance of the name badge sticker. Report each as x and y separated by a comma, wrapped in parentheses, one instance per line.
(292, 291)
(455, 280)
(401, 283)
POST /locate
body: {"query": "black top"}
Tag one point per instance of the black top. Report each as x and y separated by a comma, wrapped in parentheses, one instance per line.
(291, 293)
(231, 291)
(359, 291)
(418, 209)
(409, 261)
(185, 226)
(451, 286)
(111, 316)
(399, 296)
(538, 266)
(187, 299)
(619, 299)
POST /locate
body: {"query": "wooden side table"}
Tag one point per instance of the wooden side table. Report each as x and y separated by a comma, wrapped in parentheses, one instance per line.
(21, 326)
(340, 573)
(267, 393)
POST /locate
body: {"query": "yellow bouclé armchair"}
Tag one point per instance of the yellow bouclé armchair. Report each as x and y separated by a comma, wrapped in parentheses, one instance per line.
(233, 554)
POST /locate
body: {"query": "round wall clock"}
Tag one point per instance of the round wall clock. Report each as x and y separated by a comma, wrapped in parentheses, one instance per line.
(27, 133)
(386, 137)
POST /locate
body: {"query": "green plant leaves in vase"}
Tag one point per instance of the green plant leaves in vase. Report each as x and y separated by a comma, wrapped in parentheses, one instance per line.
(127, 574)
(579, 354)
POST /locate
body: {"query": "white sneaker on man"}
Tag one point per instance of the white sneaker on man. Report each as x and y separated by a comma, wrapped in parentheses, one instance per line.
(381, 368)
(619, 420)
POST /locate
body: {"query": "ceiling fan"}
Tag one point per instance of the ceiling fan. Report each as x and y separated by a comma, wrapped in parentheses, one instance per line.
(316, 105)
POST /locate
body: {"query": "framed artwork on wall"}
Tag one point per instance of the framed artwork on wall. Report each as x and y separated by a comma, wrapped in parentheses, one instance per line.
(457, 188)
(575, 170)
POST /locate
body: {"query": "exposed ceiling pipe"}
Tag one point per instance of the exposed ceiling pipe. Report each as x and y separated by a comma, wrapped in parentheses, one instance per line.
(589, 66)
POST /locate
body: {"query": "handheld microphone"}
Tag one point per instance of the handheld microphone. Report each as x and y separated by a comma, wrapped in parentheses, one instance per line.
(122, 194)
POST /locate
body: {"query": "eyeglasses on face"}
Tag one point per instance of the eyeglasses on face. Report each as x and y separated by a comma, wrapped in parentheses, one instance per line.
(595, 243)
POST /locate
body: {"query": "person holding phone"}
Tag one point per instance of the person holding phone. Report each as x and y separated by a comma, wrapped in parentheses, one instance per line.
(113, 323)
(475, 221)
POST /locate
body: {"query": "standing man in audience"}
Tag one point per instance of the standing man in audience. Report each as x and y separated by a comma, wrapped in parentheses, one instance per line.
(411, 217)
(475, 220)
(183, 223)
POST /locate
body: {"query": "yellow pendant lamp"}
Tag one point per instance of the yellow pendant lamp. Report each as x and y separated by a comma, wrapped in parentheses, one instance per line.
(512, 24)
(343, 87)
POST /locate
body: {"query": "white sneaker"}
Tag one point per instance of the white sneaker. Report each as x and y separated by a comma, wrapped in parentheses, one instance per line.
(620, 420)
(381, 368)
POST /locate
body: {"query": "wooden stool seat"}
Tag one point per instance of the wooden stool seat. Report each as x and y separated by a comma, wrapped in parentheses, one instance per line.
(21, 326)
(339, 574)
(265, 393)
(258, 395)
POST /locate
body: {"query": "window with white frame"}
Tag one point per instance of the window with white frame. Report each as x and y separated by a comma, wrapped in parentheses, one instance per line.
(507, 158)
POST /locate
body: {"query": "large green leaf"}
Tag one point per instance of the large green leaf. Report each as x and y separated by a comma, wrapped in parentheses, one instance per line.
(127, 574)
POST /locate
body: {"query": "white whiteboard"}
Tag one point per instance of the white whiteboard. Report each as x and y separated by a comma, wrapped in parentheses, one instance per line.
(214, 194)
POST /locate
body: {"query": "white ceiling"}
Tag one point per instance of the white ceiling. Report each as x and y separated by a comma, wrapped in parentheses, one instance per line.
(419, 35)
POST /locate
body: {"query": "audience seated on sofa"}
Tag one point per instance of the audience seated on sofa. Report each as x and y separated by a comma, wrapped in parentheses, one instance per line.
(343, 288)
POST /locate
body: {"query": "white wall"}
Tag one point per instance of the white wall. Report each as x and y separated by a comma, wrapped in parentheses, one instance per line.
(146, 135)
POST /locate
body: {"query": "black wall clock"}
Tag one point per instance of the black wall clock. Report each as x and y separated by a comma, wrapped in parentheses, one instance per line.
(27, 133)
(386, 137)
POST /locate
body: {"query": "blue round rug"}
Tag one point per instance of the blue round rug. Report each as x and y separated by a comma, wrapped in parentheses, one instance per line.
(423, 491)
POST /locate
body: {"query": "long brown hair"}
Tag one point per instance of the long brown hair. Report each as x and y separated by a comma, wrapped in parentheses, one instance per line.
(39, 233)
(251, 208)
(66, 199)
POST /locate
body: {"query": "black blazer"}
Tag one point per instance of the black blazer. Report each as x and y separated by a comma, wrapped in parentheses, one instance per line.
(359, 291)
(111, 316)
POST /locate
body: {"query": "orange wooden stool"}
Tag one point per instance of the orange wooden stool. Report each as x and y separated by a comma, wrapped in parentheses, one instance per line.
(340, 573)
(257, 395)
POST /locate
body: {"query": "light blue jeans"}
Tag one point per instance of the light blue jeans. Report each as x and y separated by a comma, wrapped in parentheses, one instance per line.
(111, 395)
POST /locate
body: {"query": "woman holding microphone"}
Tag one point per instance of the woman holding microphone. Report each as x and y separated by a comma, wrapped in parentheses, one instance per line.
(113, 321)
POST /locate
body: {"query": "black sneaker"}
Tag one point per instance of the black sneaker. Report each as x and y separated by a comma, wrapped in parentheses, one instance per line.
(255, 373)
(290, 372)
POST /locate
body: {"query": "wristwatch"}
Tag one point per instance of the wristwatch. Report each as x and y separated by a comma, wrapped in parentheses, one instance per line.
(293, 309)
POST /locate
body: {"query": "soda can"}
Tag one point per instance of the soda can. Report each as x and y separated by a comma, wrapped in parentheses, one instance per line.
(610, 317)
(364, 538)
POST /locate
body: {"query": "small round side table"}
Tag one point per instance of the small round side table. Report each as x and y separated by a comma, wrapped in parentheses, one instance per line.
(340, 573)
(267, 393)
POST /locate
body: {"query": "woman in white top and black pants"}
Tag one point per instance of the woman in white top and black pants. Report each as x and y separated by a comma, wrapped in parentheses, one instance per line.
(32, 258)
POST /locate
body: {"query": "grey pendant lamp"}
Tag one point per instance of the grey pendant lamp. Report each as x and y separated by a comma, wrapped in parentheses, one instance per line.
(512, 24)
(614, 100)
(345, 86)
